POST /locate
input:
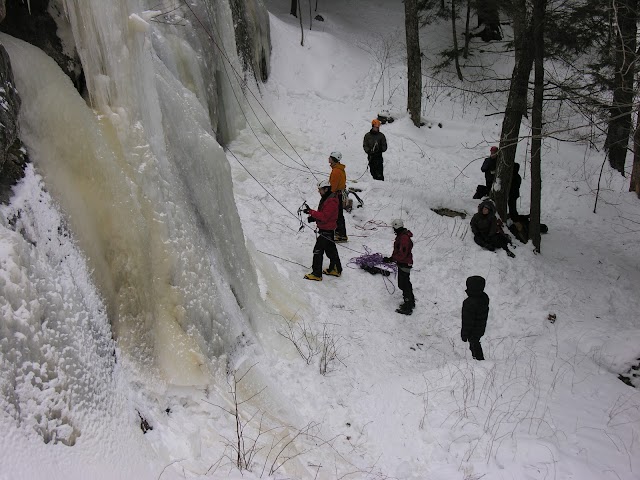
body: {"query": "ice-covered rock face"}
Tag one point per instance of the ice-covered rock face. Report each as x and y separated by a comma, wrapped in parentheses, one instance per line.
(12, 152)
(144, 183)
(44, 24)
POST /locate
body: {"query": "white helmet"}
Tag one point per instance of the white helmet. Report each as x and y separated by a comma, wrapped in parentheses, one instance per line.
(336, 155)
(324, 184)
(397, 223)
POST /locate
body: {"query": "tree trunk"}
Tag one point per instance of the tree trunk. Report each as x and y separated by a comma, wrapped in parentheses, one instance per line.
(467, 34)
(515, 110)
(536, 123)
(414, 67)
(455, 40)
(294, 8)
(634, 186)
(620, 121)
(301, 27)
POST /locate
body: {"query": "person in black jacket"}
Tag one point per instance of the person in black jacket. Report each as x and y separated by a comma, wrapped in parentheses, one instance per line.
(487, 230)
(475, 310)
(514, 192)
(489, 167)
(374, 145)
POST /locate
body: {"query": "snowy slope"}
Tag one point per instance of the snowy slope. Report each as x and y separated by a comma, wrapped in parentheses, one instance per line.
(402, 397)
(407, 396)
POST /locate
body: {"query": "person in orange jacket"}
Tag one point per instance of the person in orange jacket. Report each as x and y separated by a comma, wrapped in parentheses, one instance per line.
(326, 218)
(338, 181)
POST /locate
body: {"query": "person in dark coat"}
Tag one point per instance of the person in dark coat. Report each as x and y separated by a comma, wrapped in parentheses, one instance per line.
(374, 144)
(403, 256)
(487, 231)
(514, 192)
(326, 218)
(489, 168)
(475, 310)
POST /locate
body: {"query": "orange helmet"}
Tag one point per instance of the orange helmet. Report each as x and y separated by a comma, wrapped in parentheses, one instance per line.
(375, 122)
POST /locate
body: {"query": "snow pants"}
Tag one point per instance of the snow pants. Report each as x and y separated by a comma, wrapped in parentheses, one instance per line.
(376, 167)
(341, 229)
(404, 284)
(325, 244)
(476, 348)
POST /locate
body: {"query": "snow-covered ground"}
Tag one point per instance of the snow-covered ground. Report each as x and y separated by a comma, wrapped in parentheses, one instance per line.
(406, 396)
(402, 397)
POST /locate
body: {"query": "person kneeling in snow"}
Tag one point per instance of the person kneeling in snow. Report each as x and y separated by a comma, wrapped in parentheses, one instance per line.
(326, 218)
(402, 255)
(487, 230)
(475, 310)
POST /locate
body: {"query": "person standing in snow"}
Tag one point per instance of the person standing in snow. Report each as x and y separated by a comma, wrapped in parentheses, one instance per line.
(514, 192)
(489, 168)
(374, 144)
(338, 181)
(487, 232)
(326, 218)
(475, 310)
(402, 255)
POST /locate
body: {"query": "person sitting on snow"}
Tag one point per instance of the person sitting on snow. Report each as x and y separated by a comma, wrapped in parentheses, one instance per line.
(403, 256)
(475, 310)
(326, 218)
(487, 230)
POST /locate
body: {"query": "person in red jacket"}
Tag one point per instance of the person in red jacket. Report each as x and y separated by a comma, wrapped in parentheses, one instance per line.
(326, 218)
(402, 255)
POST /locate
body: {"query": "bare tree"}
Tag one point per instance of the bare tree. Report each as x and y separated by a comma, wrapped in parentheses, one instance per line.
(536, 122)
(467, 34)
(294, 8)
(414, 67)
(455, 40)
(625, 14)
(634, 185)
(516, 106)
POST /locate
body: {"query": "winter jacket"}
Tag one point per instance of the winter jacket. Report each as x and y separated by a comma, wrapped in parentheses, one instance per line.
(326, 216)
(485, 226)
(338, 178)
(402, 248)
(489, 165)
(374, 143)
(475, 309)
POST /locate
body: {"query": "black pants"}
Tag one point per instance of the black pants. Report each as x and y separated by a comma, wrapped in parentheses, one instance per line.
(376, 167)
(404, 284)
(476, 348)
(341, 229)
(488, 180)
(325, 244)
(491, 243)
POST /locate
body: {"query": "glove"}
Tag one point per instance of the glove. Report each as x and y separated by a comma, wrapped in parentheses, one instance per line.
(310, 219)
(306, 210)
(463, 337)
(386, 259)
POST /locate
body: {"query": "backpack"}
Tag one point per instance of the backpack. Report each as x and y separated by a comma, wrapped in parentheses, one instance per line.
(486, 165)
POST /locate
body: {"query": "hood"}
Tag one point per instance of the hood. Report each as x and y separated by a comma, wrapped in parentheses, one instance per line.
(475, 285)
(372, 131)
(516, 168)
(339, 166)
(489, 204)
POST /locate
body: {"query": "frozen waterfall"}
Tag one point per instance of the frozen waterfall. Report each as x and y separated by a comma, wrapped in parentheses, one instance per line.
(144, 190)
